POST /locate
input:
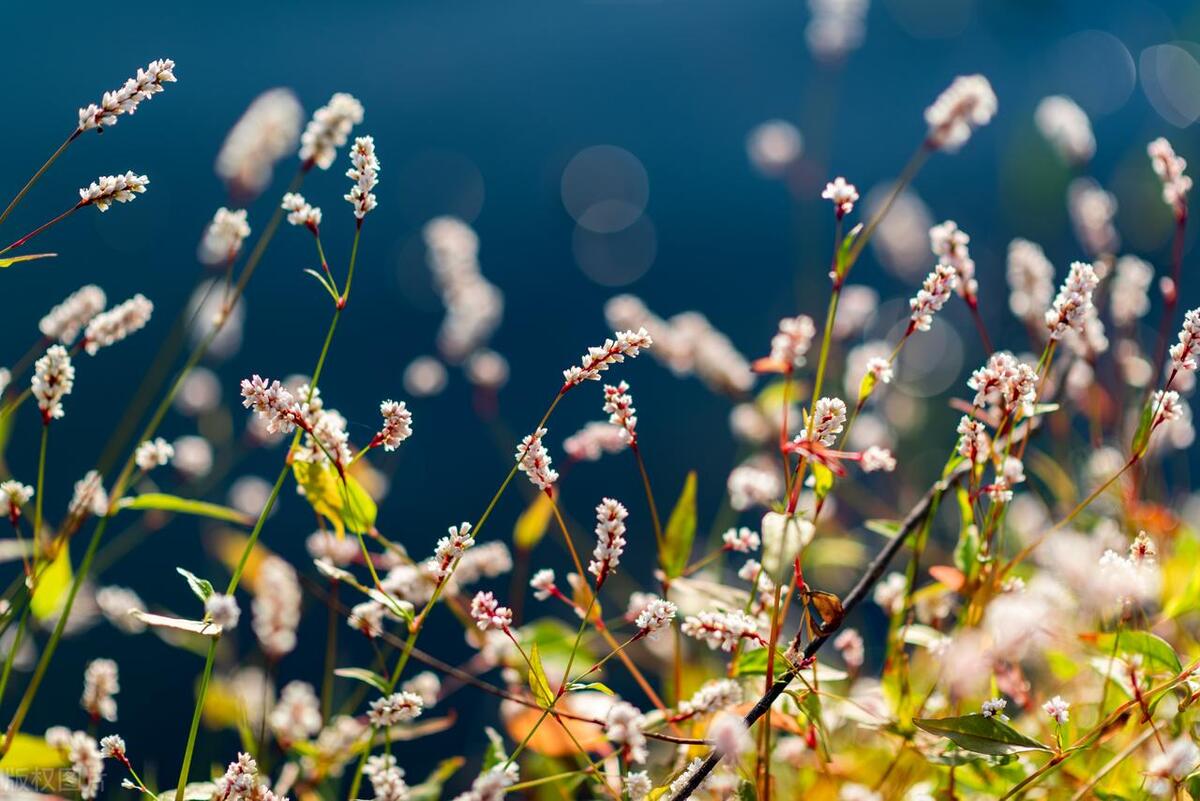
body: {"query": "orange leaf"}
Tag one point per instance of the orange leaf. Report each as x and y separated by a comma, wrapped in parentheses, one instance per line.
(952, 577)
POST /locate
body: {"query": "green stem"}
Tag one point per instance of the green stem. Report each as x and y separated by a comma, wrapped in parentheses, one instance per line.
(37, 175)
(41, 481)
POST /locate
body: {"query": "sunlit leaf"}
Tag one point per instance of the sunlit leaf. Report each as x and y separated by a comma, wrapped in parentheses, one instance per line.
(205, 627)
(1154, 649)
(981, 735)
(53, 583)
(532, 524)
(598, 686)
(202, 588)
(185, 506)
(29, 753)
(681, 529)
(364, 675)
(822, 479)
(884, 528)
(11, 260)
(346, 506)
(538, 683)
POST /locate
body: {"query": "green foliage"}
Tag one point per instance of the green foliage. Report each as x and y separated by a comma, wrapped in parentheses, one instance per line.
(981, 735)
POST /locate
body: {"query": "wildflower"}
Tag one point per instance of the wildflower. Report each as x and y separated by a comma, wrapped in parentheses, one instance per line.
(108, 188)
(655, 616)
(1170, 767)
(849, 643)
(712, 697)
(240, 783)
(595, 439)
(266, 132)
(276, 607)
(328, 130)
(994, 708)
(610, 539)
(968, 103)
(386, 777)
(624, 726)
(224, 236)
(395, 708)
(116, 603)
(791, 344)
(1030, 280)
(297, 715)
(1073, 303)
(83, 754)
(1092, 211)
(1057, 708)
(300, 212)
(1142, 549)
(932, 296)
(1183, 354)
(1129, 291)
(450, 549)
(949, 243)
(397, 425)
(1169, 168)
(492, 784)
(100, 684)
(543, 584)
(684, 778)
(1066, 126)
(1006, 382)
(876, 458)
(53, 379)
(112, 747)
(1168, 405)
(114, 325)
(223, 610)
(474, 306)
(973, 441)
(827, 420)
(487, 612)
(271, 402)
(729, 735)
(67, 319)
(153, 453)
(89, 497)
(889, 593)
(534, 460)
(742, 540)
(613, 351)
(881, 368)
(842, 194)
(618, 403)
(147, 83)
(638, 785)
(14, 495)
(723, 630)
(365, 174)
(367, 617)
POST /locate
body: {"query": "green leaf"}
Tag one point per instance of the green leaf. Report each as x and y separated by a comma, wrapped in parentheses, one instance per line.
(324, 282)
(844, 248)
(202, 588)
(884, 528)
(365, 676)
(822, 479)
(746, 791)
(681, 529)
(538, 682)
(599, 686)
(184, 506)
(347, 506)
(981, 735)
(1142, 435)
(1154, 649)
(11, 260)
(29, 753)
(431, 788)
(754, 663)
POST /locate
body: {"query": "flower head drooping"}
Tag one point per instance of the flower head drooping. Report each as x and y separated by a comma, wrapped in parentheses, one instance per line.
(932, 296)
(89, 497)
(223, 610)
(147, 83)
(827, 421)
(300, 212)
(100, 684)
(224, 236)
(395, 708)
(271, 402)
(968, 103)
(397, 425)
(994, 708)
(723, 630)
(110, 327)
(1030, 280)
(655, 616)
(790, 346)
(1183, 354)
(1057, 709)
(1169, 168)
(53, 379)
(67, 319)
(624, 726)
(240, 783)
(842, 194)
(613, 351)
(365, 174)
(534, 460)
(153, 453)
(1066, 127)
(1073, 304)
(487, 612)
(742, 540)
(265, 133)
(14, 495)
(610, 539)
(328, 130)
(107, 189)
(618, 403)
(949, 243)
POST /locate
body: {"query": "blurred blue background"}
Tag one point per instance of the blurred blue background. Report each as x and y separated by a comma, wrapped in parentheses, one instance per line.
(476, 109)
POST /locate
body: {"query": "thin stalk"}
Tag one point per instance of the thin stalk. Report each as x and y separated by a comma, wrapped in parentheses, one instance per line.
(41, 483)
(43, 227)
(37, 175)
(654, 519)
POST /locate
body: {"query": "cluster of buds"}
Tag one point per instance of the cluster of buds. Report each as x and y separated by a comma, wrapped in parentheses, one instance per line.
(397, 425)
(931, 297)
(114, 325)
(395, 708)
(107, 189)
(610, 539)
(224, 236)
(534, 461)
(618, 403)
(14, 495)
(1183, 354)
(300, 212)
(265, 133)
(724, 630)
(67, 319)
(791, 344)
(449, 550)
(53, 380)
(968, 103)
(153, 453)
(712, 697)
(1067, 127)
(949, 243)
(489, 614)
(656, 614)
(624, 727)
(273, 404)
(826, 422)
(595, 439)
(328, 130)
(365, 174)
(1073, 304)
(1030, 280)
(145, 84)
(1169, 168)
(1007, 383)
(842, 194)
(613, 351)
(973, 442)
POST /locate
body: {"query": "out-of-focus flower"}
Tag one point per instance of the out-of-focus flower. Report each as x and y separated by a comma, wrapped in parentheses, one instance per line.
(1030, 280)
(773, 146)
(624, 727)
(835, 27)
(153, 453)
(1073, 304)
(67, 319)
(424, 377)
(1092, 210)
(100, 684)
(968, 103)
(223, 610)
(1129, 293)
(1057, 709)
(276, 607)
(119, 322)
(328, 130)
(266, 132)
(1169, 168)
(1066, 126)
(224, 236)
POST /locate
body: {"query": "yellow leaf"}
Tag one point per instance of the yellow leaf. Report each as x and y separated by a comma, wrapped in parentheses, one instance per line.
(52, 585)
(11, 260)
(532, 524)
(345, 505)
(538, 682)
(29, 753)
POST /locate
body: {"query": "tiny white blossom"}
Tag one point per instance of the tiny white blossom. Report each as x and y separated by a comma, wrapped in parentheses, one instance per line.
(365, 174)
(534, 460)
(397, 424)
(223, 610)
(488, 614)
(994, 708)
(742, 540)
(624, 726)
(153, 453)
(610, 539)
(395, 708)
(932, 296)
(300, 212)
(965, 105)
(656, 615)
(53, 379)
(224, 236)
(144, 85)
(114, 325)
(613, 351)
(1057, 708)
(106, 189)
(328, 130)
(843, 195)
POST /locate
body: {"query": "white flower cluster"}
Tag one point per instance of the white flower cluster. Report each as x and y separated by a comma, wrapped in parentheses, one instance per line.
(223, 610)
(276, 606)
(300, 212)
(973, 443)
(224, 236)
(265, 133)
(1092, 210)
(450, 549)
(949, 243)
(827, 420)
(724, 630)
(146, 83)
(1169, 407)
(968, 103)
(594, 440)
(397, 424)
(1057, 709)
(932, 296)
(492, 784)
(110, 327)
(100, 684)
(274, 405)
(386, 777)
(742, 540)
(1169, 168)
(655, 615)
(1066, 127)
(474, 306)
(613, 351)
(395, 708)
(849, 643)
(610, 539)
(67, 319)
(712, 697)
(791, 344)
(1005, 382)
(994, 708)
(365, 174)
(842, 194)
(14, 495)
(876, 458)
(53, 379)
(488, 613)
(153, 453)
(297, 714)
(1128, 295)
(1030, 280)
(618, 403)
(240, 783)
(1184, 353)
(107, 189)
(534, 460)
(83, 754)
(624, 727)
(328, 130)
(1073, 304)
(89, 496)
